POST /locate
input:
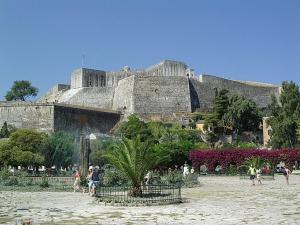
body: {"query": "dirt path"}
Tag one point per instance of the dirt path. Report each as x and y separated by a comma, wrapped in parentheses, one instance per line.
(219, 200)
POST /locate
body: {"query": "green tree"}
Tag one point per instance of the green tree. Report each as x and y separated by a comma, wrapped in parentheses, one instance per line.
(28, 140)
(5, 154)
(134, 127)
(133, 158)
(220, 106)
(99, 148)
(59, 150)
(21, 90)
(285, 121)
(242, 115)
(4, 132)
(26, 147)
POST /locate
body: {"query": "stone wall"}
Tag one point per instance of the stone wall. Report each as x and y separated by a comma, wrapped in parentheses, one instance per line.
(93, 97)
(167, 68)
(113, 78)
(76, 120)
(28, 115)
(52, 117)
(123, 98)
(258, 92)
(202, 95)
(161, 95)
(88, 78)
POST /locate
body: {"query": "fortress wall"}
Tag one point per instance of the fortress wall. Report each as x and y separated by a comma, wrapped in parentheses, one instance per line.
(93, 97)
(76, 120)
(123, 98)
(112, 78)
(28, 115)
(258, 92)
(202, 95)
(76, 79)
(167, 68)
(54, 93)
(161, 94)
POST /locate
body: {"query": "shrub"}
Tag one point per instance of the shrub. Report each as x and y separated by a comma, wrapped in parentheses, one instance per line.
(44, 183)
(4, 173)
(211, 158)
(112, 177)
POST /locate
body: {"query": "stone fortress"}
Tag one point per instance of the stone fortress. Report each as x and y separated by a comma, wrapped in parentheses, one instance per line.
(165, 88)
(161, 91)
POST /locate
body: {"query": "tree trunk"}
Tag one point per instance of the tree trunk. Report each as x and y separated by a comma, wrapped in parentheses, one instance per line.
(135, 191)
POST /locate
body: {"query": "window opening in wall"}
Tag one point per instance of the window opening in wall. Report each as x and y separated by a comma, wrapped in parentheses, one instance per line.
(96, 81)
(90, 81)
(102, 81)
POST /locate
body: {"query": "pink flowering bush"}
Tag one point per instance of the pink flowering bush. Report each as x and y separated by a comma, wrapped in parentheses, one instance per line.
(225, 158)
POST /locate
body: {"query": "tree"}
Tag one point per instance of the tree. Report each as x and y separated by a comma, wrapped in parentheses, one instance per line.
(134, 127)
(23, 148)
(133, 158)
(4, 132)
(26, 147)
(99, 148)
(285, 121)
(242, 115)
(59, 150)
(220, 106)
(5, 154)
(232, 114)
(28, 140)
(21, 90)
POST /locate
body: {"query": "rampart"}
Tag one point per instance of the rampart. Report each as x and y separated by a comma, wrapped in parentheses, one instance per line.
(50, 117)
(161, 95)
(159, 91)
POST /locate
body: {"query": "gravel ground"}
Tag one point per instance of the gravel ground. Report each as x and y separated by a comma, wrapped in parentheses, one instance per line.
(218, 200)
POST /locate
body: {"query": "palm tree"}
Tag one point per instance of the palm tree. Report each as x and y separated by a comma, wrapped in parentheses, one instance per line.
(133, 158)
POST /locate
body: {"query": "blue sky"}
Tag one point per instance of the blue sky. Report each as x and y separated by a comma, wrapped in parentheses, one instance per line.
(43, 41)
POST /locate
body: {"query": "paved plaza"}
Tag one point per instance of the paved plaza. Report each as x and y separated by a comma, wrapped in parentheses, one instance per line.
(218, 200)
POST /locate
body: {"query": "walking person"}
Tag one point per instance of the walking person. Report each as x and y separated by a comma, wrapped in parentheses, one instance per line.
(89, 179)
(252, 171)
(286, 174)
(77, 181)
(258, 176)
(95, 179)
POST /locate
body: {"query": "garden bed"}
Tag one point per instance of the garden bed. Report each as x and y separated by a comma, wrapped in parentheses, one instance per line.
(151, 195)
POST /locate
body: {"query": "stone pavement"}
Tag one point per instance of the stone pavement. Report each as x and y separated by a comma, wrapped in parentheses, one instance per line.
(218, 200)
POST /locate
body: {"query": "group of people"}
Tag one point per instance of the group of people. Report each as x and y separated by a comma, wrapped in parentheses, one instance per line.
(256, 174)
(93, 180)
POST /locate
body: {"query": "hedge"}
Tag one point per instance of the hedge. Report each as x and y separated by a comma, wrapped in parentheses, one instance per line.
(212, 158)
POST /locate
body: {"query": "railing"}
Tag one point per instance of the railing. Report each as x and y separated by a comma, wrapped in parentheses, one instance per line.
(151, 194)
(61, 180)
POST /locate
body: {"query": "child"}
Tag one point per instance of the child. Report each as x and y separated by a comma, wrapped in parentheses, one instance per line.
(286, 173)
(252, 171)
(258, 176)
(77, 181)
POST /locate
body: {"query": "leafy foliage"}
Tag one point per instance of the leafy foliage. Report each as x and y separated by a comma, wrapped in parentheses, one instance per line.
(98, 150)
(134, 127)
(59, 150)
(21, 90)
(285, 119)
(233, 114)
(133, 158)
(24, 148)
(220, 106)
(4, 132)
(242, 115)
(237, 157)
